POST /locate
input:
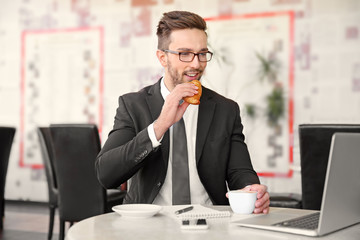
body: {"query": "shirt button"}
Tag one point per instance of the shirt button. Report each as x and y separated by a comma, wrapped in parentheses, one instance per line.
(159, 184)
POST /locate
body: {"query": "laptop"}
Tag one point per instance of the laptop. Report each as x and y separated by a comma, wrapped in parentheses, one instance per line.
(340, 206)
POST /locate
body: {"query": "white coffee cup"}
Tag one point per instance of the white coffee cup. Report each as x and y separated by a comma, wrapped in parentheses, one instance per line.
(242, 201)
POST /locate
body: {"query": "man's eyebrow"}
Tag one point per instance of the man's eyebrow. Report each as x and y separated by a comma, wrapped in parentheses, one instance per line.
(191, 50)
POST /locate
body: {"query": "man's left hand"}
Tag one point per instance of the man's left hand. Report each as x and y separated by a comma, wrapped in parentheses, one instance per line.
(263, 198)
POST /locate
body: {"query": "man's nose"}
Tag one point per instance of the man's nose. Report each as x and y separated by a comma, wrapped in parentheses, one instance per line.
(195, 62)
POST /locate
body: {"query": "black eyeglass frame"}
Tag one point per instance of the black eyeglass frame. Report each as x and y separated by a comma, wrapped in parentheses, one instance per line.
(185, 52)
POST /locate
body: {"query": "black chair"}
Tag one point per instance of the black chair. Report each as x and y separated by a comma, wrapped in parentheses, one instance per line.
(286, 200)
(47, 153)
(315, 141)
(80, 194)
(6, 140)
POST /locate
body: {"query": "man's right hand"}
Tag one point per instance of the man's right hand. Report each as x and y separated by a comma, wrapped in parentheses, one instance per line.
(172, 111)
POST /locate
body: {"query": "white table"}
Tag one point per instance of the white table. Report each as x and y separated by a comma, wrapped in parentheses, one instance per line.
(112, 226)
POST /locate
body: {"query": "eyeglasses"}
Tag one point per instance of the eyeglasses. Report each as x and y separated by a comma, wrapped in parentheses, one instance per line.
(189, 56)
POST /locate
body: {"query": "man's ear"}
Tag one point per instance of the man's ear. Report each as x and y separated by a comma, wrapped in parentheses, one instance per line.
(162, 58)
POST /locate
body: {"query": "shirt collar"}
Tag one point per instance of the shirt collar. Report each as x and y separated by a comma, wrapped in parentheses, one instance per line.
(163, 89)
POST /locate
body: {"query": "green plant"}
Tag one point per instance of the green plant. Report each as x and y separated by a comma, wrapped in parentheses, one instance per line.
(250, 110)
(275, 102)
(275, 105)
(268, 67)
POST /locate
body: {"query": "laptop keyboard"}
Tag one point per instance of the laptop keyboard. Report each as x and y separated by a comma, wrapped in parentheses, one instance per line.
(306, 222)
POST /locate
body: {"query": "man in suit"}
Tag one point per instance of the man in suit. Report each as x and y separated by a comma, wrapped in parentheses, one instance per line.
(139, 148)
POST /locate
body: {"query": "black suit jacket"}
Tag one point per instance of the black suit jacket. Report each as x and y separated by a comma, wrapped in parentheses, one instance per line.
(221, 153)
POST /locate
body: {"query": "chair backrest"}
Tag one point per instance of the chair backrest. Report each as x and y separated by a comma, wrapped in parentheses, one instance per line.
(315, 140)
(6, 140)
(75, 149)
(47, 153)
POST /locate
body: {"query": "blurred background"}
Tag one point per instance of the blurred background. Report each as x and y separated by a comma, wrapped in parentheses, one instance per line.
(286, 62)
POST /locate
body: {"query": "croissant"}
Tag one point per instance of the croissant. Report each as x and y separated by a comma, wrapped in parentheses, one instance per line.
(196, 98)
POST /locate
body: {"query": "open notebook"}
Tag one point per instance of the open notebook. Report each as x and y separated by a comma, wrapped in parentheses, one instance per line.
(197, 212)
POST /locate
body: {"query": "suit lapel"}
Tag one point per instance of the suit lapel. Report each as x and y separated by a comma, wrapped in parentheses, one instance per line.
(206, 113)
(155, 102)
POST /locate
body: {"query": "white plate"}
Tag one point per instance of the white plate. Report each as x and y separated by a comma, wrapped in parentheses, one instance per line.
(137, 210)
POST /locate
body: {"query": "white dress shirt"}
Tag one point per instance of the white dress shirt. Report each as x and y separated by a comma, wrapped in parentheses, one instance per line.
(197, 190)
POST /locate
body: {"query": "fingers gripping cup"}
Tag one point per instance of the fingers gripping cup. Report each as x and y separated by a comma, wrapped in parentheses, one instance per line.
(242, 202)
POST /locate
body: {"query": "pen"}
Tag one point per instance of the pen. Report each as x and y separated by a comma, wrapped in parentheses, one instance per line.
(184, 210)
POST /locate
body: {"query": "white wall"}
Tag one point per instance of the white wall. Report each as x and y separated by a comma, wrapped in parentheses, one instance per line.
(68, 61)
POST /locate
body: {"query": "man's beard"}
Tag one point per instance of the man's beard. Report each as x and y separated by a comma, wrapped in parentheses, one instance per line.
(176, 77)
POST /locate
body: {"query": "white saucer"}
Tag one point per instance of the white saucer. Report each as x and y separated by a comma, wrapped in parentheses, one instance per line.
(137, 210)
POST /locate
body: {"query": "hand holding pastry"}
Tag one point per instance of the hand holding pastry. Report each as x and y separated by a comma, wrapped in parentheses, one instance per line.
(196, 98)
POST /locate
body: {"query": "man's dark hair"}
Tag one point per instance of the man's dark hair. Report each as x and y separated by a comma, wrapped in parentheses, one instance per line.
(177, 20)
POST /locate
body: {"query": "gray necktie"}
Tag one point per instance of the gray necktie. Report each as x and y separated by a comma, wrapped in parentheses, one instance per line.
(180, 166)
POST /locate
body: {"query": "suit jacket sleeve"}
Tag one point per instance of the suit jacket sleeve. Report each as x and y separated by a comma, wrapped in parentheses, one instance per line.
(240, 170)
(127, 146)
